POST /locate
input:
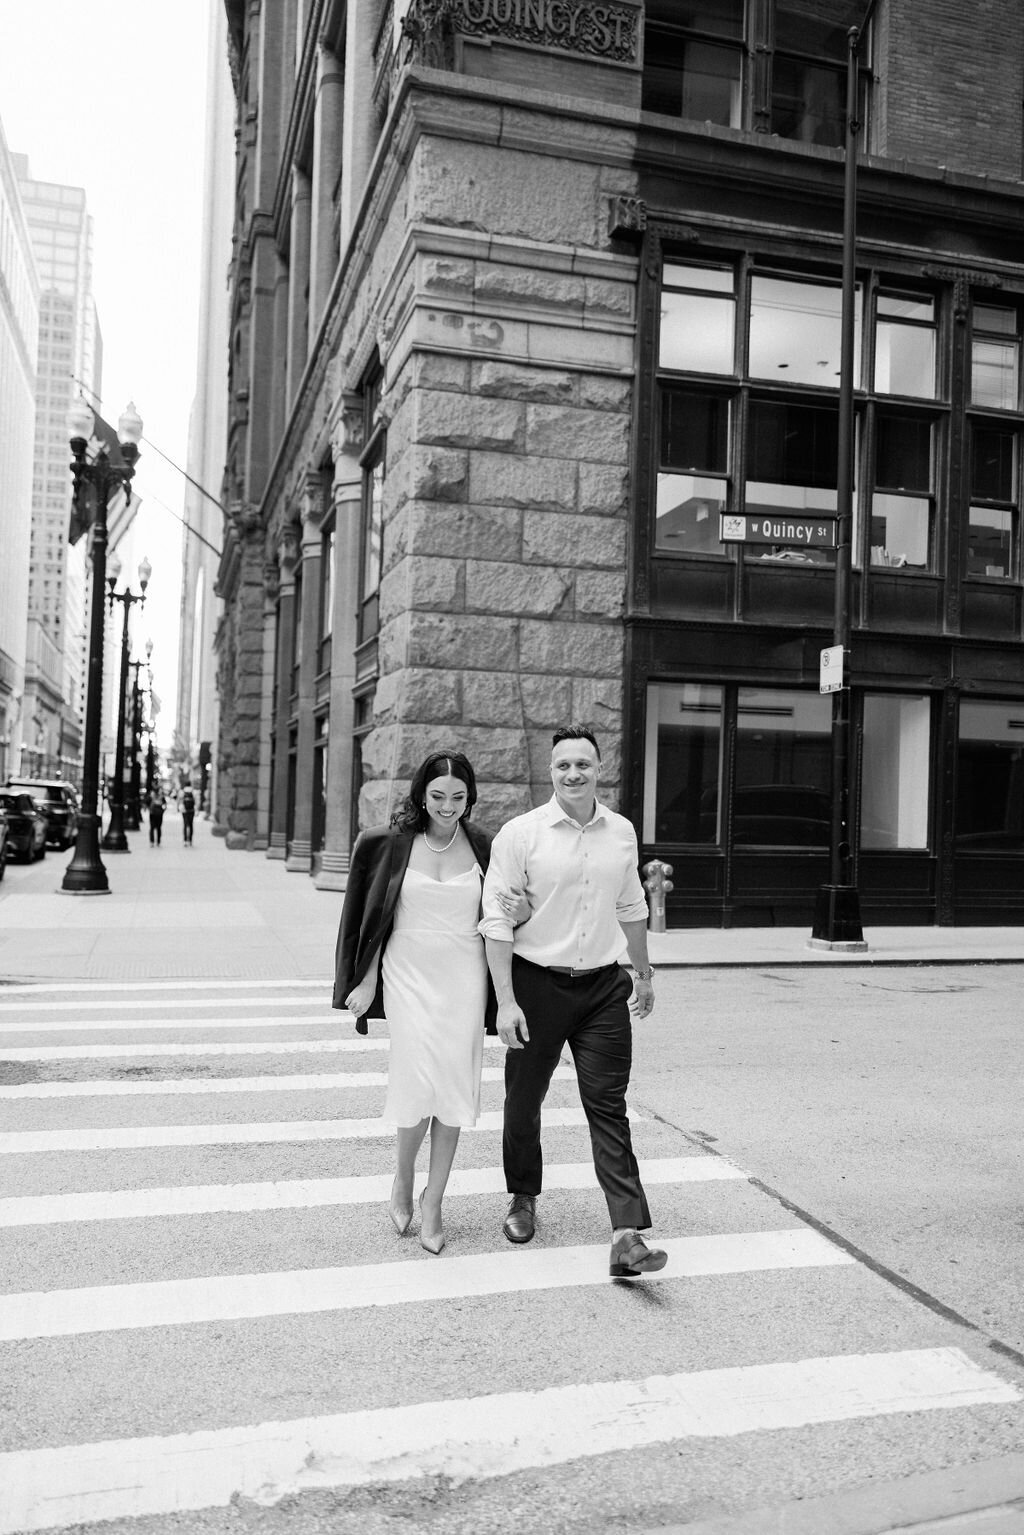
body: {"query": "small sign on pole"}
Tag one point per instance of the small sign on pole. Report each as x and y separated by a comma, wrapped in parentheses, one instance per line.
(830, 676)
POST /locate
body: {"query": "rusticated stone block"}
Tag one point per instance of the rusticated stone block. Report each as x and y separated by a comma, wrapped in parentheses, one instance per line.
(605, 393)
(498, 587)
(547, 700)
(570, 649)
(510, 381)
(419, 693)
(433, 474)
(468, 421)
(521, 284)
(497, 754)
(498, 480)
(463, 640)
(565, 432)
(604, 490)
(499, 802)
(609, 298)
(491, 698)
(375, 804)
(600, 593)
(580, 541)
(599, 700)
(445, 274)
(473, 185)
(393, 643)
(470, 531)
(436, 370)
(423, 583)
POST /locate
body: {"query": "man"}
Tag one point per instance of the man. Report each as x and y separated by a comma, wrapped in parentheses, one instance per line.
(188, 814)
(558, 979)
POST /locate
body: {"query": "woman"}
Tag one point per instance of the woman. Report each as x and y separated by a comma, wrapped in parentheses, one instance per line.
(408, 950)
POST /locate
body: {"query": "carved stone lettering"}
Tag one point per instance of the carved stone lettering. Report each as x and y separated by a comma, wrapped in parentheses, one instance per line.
(608, 31)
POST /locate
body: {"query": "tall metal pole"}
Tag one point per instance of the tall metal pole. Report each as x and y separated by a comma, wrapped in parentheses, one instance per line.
(132, 809)
(115, 840)
(837, 913)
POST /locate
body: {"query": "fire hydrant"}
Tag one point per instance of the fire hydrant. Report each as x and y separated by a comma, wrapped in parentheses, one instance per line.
(657, 884)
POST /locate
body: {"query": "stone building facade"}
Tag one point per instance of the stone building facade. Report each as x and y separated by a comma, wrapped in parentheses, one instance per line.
(528, 297)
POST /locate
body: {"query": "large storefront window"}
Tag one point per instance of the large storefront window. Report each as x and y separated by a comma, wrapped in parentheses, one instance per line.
(783, 768)
(990, 777)
(696, 52)
(895, 771)
(682, 757)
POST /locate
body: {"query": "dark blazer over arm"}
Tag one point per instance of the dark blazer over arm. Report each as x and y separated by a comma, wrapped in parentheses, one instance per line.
(379, 861)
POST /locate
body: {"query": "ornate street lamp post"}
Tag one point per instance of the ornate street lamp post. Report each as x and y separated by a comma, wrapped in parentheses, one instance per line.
(133, 804)
(86, 874)
(115, 840)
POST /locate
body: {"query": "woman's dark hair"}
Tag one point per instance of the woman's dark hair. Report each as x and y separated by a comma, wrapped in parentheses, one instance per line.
(411, 814)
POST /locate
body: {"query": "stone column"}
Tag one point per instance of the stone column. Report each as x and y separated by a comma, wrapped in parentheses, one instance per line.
(298, 280)
(271, 589)
(287, 559)
(329, 109)
(359, 137)
(348, 501)
(300, 849)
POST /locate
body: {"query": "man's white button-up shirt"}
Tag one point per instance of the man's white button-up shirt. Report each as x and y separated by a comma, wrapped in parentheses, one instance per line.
(580, 881)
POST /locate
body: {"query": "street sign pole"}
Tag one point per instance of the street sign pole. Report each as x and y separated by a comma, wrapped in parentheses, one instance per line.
(837, 922)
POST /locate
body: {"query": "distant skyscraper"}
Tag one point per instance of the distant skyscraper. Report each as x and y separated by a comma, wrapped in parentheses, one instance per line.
(70, 349)
(19, 323)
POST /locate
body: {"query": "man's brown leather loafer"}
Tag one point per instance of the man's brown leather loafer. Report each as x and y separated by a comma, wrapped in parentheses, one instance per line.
(520, 1222)
(632, 1257)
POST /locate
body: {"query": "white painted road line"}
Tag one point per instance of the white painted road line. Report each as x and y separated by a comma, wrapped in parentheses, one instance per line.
(311, 1193)
(42, 988)
(109, 1004)
(233, 1297)
(144, 1137)
(142, 1049)
(307, 1082)
(123, 1025)
(475, 1437)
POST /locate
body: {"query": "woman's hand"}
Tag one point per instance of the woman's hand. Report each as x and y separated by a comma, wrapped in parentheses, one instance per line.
(360, 998)
(514, 906)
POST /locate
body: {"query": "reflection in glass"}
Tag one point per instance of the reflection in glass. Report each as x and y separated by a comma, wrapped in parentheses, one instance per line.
(808, 102)
(904, 359)
(990, 541)
(993, 463)
(783, 769)
(687, 514)
(903, 452)
(795, 331)
(896, 770)
(994, 374)
(990, 777)
(694, 430)
(697, 332)
(681, 763)
(900, 528)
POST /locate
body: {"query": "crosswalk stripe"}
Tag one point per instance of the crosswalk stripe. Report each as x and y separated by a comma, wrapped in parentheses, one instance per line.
(40, 989)
(122, 1052)
(144, 1137)
(309, 1081)
(232, 1297)
(173, 1004)
(123, 1025)
(476, 1437)
(310, 1193)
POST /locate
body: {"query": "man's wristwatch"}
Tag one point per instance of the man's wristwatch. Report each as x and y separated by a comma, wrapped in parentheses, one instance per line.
(644, 975)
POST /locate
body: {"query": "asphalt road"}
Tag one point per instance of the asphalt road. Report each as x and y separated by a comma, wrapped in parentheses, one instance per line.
(207, 1324)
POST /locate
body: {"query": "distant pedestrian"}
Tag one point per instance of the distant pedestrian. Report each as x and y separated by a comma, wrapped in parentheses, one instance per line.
(156, 818)
(188, 814)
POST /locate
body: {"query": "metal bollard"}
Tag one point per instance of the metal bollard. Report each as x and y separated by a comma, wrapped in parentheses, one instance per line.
(657, 884)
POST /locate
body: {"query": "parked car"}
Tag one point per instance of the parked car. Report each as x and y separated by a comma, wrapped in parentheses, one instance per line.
(59, 804)
(26, 826)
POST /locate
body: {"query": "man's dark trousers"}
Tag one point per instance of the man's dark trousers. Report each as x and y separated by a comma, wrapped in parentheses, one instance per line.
(591, 1014)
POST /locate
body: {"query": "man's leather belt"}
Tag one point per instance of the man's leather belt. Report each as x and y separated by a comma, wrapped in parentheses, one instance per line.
(571, 970)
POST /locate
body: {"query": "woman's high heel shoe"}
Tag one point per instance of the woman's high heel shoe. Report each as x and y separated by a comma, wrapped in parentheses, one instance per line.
(430, 1244)
(400, 1219)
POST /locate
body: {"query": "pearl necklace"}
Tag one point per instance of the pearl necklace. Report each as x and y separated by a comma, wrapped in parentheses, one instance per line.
(447, 845)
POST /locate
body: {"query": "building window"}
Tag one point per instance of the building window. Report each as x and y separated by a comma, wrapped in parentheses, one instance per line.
(795, 331)
(990, 777)
(327, 556)
(783, 770)
(902, 502)
(905, 345)
(791, 462)
(995, 358)
(993, 513)
(373, 467)
(692, 480)
(698, 318)
(695, 65)
(895, 771)
(683, 760)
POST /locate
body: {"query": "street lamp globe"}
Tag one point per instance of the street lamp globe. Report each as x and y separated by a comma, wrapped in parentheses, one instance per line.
(79, 421)
(145, 571)
(113, 569)
(129, 425)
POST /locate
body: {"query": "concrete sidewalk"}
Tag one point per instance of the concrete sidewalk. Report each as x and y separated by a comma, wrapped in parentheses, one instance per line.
(201, 911)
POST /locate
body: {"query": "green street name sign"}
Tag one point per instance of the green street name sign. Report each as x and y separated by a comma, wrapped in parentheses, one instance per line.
(803, 532)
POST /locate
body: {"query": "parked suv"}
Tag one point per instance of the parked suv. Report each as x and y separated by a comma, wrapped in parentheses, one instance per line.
(59, 804)
(26, 825)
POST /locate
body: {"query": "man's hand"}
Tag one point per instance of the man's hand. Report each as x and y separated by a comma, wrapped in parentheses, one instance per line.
(641, 1003)
(511, 1019)
(360, 998)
